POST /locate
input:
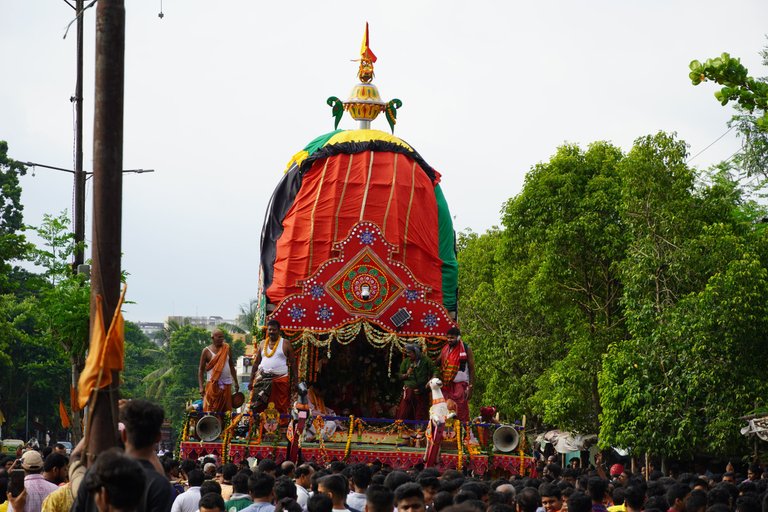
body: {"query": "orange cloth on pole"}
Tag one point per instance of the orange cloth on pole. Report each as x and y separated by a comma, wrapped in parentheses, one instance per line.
(105, 354)
(63, 415)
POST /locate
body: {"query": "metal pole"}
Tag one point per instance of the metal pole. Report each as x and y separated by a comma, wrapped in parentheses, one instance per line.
(79, 213)
(107, 198)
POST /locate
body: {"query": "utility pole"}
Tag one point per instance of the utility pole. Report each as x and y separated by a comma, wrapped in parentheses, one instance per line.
(107, 200)
(78, 360)
(79, 213)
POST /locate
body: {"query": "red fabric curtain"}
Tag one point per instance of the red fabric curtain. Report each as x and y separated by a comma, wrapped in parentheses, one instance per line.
(392, 192)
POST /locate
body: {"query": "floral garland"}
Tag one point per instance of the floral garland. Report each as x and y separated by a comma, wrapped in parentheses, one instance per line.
(349, 437)
(319, 423)
(226, 438)
(346, 334)
(459, 447)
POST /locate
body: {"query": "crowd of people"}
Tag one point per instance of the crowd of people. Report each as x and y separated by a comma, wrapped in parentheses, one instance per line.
(134, 478)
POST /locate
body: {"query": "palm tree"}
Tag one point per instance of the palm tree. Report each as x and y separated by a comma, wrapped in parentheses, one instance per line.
(246, 319)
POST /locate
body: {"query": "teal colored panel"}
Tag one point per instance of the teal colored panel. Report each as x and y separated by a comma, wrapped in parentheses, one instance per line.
(447, 240)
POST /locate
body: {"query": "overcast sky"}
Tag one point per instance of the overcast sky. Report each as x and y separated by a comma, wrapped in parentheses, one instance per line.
(220, 95)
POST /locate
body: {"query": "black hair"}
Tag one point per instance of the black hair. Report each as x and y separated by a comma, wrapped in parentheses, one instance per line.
(634, 497)
(379, 498)
(579, 502)
(188, 465)
(408, 490)
(228, 471)
(555, 470)
(748, 503)
(121, 477)
(142, 420)
(677, 492)
(320, 503)
(451, 485)
(287, 505)
(266, 465)
(597, 487)
(480, 489)
(360, 474)
(334, 483)
(528, 500)
(550, 491)
(618, 495)
(697, 500)
(442, 500)
(499, 507)
(210, 486)
(337, 466)
(240, 483)
(397, 478)
(302, 470)
(284, 488)
(429, 481)
(260, 484)
(211, 500)
(453, 331)
(463, 496)
(196, 477)
(274, 322)
(55, 460)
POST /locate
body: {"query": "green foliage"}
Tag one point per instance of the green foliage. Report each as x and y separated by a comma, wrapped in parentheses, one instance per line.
(751, 97)
(750, 93)
(13, 244)
(544, 295)
(694, 304)
(174, 381)
(58, 246)
(30, 365)
(141, 358)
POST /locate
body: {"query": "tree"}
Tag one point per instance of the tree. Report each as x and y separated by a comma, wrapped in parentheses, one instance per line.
(544, 293)
(751, 98)
(142, 357)
(13, 244)
(64, 297)
(33, 371)
(694, 293)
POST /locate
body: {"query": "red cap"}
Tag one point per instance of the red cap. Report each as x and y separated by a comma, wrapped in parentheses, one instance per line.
(616, 469)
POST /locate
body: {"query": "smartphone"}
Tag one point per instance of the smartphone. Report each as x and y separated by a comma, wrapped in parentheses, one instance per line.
(16, 482)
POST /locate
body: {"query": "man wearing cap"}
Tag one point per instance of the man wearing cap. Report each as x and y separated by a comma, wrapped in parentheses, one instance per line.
(36, 488)
(617, 475)
(415, 372)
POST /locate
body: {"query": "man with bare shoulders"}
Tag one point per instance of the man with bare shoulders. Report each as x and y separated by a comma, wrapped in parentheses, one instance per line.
(273, 364)
(217, 375)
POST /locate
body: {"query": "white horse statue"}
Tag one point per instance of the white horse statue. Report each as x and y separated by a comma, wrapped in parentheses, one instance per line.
(438, 413)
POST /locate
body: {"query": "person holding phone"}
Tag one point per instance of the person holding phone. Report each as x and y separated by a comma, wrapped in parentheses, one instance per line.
(35, 487)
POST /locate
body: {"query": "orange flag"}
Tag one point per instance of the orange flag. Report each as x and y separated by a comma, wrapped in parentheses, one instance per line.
(365, 49)
(63, 415)
(105, 354)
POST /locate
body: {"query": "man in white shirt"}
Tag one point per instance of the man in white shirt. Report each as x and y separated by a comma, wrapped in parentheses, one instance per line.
(359, 479)
(303, 484)
(188, 500)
